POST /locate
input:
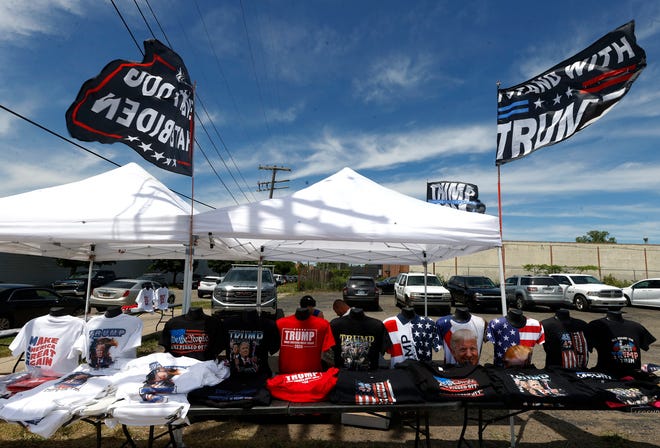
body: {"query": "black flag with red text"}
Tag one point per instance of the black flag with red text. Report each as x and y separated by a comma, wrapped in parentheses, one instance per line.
(569, 97)
(146, 105)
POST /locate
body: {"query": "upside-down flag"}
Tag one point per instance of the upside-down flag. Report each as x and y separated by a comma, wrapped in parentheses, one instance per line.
(146, 105)
(458, 195)
(569, 97)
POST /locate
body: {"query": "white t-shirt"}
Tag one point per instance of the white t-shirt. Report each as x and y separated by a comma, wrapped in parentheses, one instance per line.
(164, 374)
(49, 343)
(108, 342)
(149, 399)
(145, 300)
(447, 326)
(162, 294)
(67, 393)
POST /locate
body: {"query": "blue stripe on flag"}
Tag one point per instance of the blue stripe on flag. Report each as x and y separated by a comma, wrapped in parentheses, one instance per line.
(513, 105)
(513, 112)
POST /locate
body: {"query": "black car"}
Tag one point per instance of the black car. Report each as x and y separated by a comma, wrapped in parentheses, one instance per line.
(361, 291)
(474, 291)
(20, 303)
(76, 284)
(386, 285)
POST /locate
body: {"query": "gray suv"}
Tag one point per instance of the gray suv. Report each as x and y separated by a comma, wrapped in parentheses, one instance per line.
(526, 291)
(361, 291)
(238, 290)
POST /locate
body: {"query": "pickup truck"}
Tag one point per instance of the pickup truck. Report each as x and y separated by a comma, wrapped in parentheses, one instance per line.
(584, 291)
(76, 284)
(238, 291)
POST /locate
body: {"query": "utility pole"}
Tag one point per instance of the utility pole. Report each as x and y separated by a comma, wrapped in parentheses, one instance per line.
(271, 185)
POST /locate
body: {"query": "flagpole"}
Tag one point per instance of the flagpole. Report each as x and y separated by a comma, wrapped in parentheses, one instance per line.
(501, 254)
(190, 252)
(501, 261)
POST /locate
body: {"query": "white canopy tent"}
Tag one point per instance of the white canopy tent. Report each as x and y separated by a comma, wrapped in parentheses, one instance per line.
(125, 214)
(122, 214)
(346, 218)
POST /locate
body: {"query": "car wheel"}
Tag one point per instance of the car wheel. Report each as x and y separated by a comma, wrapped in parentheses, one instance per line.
(471, 304)
(581, 303)
(628, 301)
(200, 294)
(5, 323)
(100, 309)
(520, 302)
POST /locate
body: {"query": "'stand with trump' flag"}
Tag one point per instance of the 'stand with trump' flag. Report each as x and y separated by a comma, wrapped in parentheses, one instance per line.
(146, 105)
(569, 97)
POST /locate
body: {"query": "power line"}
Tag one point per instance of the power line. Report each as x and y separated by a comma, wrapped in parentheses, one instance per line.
(199, 121)
(127, 28)
(217, 133)
(216, 149)
(254, 68)
(60, 136)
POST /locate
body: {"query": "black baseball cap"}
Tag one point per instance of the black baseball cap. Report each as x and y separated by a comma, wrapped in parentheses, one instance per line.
(307, 301)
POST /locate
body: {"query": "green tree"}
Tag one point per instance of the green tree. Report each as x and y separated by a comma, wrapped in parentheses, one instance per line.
(596, 236)
(284, 267)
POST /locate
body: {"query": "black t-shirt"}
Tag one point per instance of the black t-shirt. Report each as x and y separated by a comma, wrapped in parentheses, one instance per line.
(618, 344)
(526, 386)
(384, 386)
(196, 336)
(359, 341)
(244, 392)
(565, 343)
(454, 383)
(249, 340)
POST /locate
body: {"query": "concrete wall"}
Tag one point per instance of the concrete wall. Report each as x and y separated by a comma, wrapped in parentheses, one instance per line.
(623, 261)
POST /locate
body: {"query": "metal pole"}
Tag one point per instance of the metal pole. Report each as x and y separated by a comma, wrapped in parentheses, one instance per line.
(88, 292)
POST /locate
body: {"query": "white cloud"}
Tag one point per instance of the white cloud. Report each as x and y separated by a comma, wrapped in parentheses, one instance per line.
(287, 115)
(333, 150)
(19, 19)
(395, 77)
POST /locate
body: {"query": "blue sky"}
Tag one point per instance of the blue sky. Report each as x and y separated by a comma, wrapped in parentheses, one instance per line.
(402, 92)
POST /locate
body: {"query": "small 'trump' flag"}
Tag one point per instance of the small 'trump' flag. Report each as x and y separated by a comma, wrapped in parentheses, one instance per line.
(146, 105)
(458, 195)
(569, 97)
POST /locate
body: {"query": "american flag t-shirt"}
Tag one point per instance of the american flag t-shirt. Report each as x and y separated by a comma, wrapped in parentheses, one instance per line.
(504, 335)
(416, 338)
